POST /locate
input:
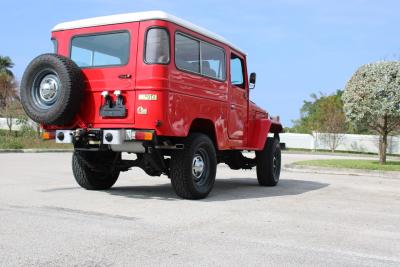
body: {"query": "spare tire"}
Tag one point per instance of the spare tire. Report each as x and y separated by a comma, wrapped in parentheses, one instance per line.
(52, 89)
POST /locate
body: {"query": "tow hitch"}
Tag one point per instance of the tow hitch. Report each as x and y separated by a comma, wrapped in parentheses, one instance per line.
(86, 138)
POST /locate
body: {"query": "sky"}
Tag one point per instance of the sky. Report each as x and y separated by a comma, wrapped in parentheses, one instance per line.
(296, 47)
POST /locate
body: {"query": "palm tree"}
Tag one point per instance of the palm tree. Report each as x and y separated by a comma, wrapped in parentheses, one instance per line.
(5, 65)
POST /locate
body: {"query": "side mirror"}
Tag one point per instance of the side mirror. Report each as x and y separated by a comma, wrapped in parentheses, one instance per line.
(252, 80)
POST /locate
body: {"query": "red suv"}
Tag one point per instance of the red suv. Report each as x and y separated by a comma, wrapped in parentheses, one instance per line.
(152, 84)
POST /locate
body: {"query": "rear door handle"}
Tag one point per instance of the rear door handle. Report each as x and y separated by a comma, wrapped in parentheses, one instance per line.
(125, 76)
(233, 106)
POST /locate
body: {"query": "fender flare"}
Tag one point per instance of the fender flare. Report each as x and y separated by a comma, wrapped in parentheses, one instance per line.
(261, 130)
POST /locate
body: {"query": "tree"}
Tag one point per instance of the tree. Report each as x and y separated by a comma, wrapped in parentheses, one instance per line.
(309, 113)
(10, 106)
(7, 89)
(13, 111)
(319, 114)
(324, 114)
(332, 120)
(6, 80)
(9, 102)
(372, 99)
(5, 65)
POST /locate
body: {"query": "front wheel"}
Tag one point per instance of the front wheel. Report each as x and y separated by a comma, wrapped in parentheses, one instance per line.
(193, 169)
(95, 170)
(269, 163)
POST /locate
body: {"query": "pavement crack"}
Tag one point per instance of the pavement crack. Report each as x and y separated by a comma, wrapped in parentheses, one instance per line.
(89, 213)
(70, 211)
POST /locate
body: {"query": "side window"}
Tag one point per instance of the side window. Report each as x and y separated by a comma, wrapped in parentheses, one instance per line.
(212, 61)
(187, 53)
(237, 77)
(157, 46)
(199, 57)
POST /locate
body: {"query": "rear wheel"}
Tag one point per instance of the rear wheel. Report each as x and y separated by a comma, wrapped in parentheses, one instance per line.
(269, 163)
(193, 169)
(95, 170)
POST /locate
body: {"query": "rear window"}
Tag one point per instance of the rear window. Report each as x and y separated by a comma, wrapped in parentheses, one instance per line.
(108, 49)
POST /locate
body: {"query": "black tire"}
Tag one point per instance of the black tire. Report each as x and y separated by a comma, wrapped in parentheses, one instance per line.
(188, 178)
(269, 163)
(95, 170)
(52, 89)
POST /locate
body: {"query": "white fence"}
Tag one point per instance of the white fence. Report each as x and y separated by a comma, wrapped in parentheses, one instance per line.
(3, 124)
(348, 142)
(15, 125)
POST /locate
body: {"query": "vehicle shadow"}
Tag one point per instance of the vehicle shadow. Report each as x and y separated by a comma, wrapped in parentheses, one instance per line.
(224, 190)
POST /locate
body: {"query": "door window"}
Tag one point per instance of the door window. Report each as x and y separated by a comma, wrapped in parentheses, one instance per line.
(237, 77)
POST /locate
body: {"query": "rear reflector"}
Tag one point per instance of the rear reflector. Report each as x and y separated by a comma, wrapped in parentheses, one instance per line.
(47, 135)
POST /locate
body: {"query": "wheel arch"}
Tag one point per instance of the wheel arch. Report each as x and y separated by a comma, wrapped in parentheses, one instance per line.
(259, 131)
(276, 128)
(205, 126)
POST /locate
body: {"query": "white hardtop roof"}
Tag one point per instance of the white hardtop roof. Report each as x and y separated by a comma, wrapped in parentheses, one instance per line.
(140, 16)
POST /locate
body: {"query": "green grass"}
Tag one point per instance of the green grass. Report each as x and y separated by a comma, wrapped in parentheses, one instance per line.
(352, 164)
(27, 139)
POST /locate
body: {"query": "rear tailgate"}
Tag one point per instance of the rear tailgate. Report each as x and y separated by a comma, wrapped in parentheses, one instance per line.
(107, 57)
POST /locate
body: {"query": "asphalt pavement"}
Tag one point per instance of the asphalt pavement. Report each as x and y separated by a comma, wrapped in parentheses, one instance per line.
(309, 219)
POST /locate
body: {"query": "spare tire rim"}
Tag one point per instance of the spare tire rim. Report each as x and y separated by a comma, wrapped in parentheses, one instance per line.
(46, 88)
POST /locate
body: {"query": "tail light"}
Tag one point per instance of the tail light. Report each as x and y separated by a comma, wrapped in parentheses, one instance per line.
(48, 135)
(139, 135)
(146, 136)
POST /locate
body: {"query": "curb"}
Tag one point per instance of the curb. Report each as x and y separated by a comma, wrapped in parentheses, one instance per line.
(34, 150)
(321, 153)
(293, 167)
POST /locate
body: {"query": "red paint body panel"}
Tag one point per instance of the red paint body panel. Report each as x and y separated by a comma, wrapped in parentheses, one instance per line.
(100, 79)
(182, 97)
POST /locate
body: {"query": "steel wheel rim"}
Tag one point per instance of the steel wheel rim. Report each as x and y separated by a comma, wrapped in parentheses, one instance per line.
(46, 89)
(276, 164)
(200, 167)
